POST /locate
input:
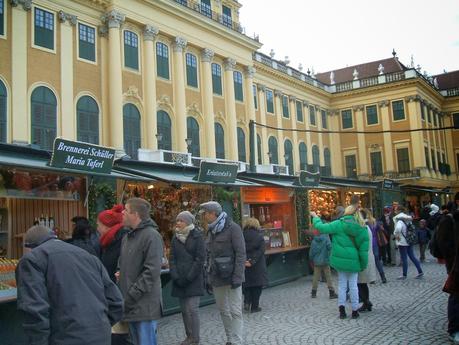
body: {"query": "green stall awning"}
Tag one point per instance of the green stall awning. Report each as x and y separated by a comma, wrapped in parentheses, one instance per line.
(171, 173)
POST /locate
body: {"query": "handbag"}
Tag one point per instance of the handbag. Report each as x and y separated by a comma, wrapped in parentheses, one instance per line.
(224, 266)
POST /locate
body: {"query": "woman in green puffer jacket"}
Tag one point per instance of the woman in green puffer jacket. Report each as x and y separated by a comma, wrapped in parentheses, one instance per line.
(349, 254)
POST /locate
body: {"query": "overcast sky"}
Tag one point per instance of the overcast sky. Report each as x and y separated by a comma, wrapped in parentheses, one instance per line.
(332, 34)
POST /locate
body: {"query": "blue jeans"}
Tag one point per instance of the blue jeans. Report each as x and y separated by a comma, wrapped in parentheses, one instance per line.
(408, 251)
(343, 279)
(143, 332)
(378, 262)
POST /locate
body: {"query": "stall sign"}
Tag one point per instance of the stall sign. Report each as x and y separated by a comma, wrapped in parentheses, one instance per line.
(307, 178)
(217, 172)
(388, 184)
(82, 156)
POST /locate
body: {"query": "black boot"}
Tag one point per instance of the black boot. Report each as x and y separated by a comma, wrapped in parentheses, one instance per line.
(313, 293)
(333, 295)
(342, 312)
(355, 314)
(383, 278)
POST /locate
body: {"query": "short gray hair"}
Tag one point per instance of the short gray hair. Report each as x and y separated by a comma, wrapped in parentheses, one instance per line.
(141, 206)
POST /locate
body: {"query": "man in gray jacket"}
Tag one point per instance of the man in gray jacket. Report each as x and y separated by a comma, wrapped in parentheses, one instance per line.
(140, 272)
(226, 248)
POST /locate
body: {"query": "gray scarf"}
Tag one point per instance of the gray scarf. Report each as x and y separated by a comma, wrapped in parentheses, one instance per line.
(182, 234)
(218, 224)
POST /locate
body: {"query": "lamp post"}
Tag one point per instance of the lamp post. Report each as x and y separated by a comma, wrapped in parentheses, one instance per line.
(188, 141)
(159, 138)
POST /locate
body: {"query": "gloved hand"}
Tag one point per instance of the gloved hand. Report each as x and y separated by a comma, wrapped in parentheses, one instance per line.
(235, 286)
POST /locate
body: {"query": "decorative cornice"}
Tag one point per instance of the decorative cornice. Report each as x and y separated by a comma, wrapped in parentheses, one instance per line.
(179, 44)
(249, 71)
(305, 104)
(113, 19)
(357, 107)
(26, 4)
(229, 64)
(103, 30)
(278, 93)
(292, 98)
(63, 17)
(150, 32)
(383, 103)
(207, 55)
(261, 87)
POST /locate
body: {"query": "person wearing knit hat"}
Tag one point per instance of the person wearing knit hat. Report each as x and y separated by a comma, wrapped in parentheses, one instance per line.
(186, 265)
(64, 294)
(111, 229)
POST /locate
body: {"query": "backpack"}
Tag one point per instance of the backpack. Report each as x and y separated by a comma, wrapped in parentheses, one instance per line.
(411, 236)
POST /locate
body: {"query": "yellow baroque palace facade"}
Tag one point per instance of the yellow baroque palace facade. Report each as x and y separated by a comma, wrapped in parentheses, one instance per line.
(181, 75)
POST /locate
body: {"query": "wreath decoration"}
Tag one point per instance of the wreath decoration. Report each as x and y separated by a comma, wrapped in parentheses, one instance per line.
(97, 191)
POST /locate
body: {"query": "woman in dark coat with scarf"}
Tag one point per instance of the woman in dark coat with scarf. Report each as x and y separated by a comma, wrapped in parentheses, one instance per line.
(186, 262)
(111, 230)
(255, 266)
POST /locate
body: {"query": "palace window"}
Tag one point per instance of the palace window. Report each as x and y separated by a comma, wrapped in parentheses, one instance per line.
(372, 115)
(131, 130)
(216, 79)
(191, 70)
(219, 141)
(131, 50)
(299, 111)
(44, 29)
(44, 117)
(273, 153)
(398, 110)
(88, 120)
(269, 101)
(285, 110)
(86, 42)
(376, 163)
(351, 166)
(346, 119)
(403, 160)
(164, 128)
(238, 95)
(162, 60)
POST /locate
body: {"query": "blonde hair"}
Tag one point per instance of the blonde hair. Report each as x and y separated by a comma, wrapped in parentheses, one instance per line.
(352, 210)
(369, 216)
(251, 223)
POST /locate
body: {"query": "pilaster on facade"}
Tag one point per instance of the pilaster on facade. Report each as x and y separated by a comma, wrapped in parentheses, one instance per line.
(150, 33)
(249, 73)
(208, 101)
(264, 131)
(387, 136)
(362, 151)
(229, 64)
(178, 46)
(113, 19)
(25, 4)
(296, 153)
(280, 133)
(67, 17)
(308, 133)
(416, 136)
(230, 107)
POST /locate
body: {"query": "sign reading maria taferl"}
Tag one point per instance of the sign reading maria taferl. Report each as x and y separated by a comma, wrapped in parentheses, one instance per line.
(217, 172)
(82, 156)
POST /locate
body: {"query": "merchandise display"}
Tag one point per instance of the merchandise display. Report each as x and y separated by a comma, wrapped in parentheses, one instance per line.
(323, 203)
(7, 277)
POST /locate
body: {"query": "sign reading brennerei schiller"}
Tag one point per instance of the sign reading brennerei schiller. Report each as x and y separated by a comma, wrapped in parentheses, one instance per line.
(82, 156)
(217, 172)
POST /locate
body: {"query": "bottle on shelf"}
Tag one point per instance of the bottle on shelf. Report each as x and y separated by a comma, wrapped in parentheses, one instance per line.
(42, 220)
(262, 215)
(51, 222)
(36, 221)
(268, 216)
(47, 221)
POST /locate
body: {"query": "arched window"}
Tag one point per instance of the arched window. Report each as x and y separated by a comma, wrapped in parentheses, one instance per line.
(241, 145)
(193, 134)
(87, 120)
(315, 158)
(164, 128)
(288, 150)
(303, 156)
(219, 141)
(44, 117)
(131, 130)
(3, 122)
(260, 161)
(327, 161)
(274, 156)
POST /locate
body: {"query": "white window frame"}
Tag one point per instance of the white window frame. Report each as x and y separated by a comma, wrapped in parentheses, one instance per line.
(32, 38)
(78, 43)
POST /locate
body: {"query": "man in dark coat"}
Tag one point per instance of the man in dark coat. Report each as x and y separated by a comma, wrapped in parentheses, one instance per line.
(226, 247)
(255, 267)
(186, 262)
(64, 293)
(140, 272)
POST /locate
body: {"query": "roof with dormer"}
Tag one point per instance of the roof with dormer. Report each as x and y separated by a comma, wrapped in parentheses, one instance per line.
(365, 70)
(448, 80)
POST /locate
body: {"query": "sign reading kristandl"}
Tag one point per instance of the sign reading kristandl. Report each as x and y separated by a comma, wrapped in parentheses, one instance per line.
(388, 184)
(307, 178)
(217, 172)
(82, 156)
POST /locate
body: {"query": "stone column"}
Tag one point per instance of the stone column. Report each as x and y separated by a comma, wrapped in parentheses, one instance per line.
(103, 41)
(387, 137)
(320, 136)
(435, 161)
(335, 145)
(208, 102)
(308, 134)
(230, 108)
(264, 131)
(250, 105)
(68, 119)
(295, 148)
(280, 134)
(20, 119)
(450, 154)
(417, 142)
(362, 150)
(179, 94)
(114, 19)
(149, 35)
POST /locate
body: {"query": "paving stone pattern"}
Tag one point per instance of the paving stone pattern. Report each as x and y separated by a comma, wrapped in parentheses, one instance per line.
(408, 312)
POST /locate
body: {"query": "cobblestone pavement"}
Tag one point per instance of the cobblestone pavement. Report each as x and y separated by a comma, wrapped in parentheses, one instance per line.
(408, 312)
